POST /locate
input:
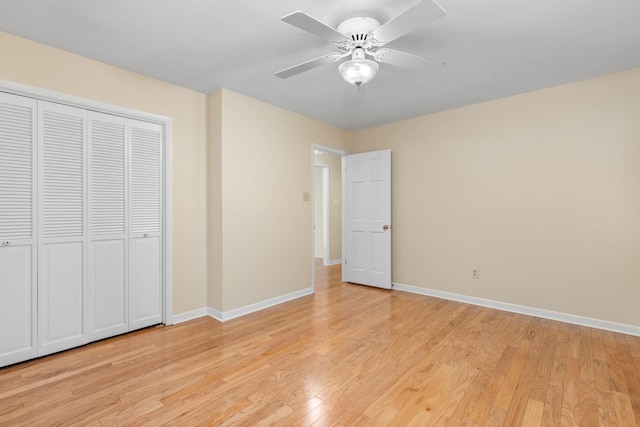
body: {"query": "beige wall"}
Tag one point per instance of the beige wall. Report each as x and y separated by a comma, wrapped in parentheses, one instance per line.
(266, 225)
(34, 64)
(334, 162)
(541, 191)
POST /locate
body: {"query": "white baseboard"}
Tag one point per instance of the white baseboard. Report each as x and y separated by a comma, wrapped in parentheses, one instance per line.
(237, 312)
(216, 314)
(335, 262)
(520, 309)
(190, 315)
(223, 316)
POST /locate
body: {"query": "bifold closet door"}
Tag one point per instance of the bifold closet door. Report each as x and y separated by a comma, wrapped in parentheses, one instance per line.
(145, 250)
(81, 223)
(107, 285)
(18, 293)
(62, 249)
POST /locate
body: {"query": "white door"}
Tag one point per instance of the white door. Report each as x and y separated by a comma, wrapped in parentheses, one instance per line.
(18, 294)
(62, 249)
(368, 219)
(145, 250)
(107, 286)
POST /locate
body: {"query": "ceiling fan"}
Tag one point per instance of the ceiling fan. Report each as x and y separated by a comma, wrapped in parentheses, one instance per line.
(364, 37)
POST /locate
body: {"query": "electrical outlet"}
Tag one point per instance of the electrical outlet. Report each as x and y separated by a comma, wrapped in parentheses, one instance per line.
(475, 273)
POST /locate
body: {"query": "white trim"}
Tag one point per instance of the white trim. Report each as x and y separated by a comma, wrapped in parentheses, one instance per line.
(76, 101)
(521, 309)
(313, 217)
(335, 262)
(326, 223)
(168, 224)
(343, 232)
(190, 315)
(216, 314)
(166, 122)
(223, 316)
(330, 150)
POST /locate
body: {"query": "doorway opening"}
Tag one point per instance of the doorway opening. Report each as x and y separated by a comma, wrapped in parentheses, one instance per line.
(321, 216)
(327, 210)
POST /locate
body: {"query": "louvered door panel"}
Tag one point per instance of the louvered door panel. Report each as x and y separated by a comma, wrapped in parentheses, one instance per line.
(107, 162)
(107, 287)
(18, 293)
(62, 173)
(145, 249)
(146, 178)
(62, 249)
(16, 171)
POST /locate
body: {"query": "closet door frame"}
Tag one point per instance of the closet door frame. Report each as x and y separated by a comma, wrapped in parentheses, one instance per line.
(167, 211)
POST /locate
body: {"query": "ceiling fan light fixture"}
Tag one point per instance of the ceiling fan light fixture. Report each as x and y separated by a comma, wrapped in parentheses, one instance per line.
(358, 72)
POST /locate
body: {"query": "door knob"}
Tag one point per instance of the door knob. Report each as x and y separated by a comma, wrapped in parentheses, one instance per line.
(385, 227)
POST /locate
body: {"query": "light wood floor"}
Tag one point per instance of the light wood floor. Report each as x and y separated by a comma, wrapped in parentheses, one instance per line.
(350, 355)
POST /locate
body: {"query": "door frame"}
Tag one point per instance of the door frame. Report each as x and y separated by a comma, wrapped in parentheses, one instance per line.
(326, 222)
(167, 208)
(342, 154)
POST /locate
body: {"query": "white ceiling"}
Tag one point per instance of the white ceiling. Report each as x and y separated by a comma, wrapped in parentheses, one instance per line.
(493, 48)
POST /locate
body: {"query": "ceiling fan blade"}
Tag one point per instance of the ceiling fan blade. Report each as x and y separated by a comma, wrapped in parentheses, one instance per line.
(306, 66)
(407, 60)
(312, 25)
(408, 21)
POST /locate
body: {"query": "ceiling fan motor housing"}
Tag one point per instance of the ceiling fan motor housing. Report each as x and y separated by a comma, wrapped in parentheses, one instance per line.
(357, 31)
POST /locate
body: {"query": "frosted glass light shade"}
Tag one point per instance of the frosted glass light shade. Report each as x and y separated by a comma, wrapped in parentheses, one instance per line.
(358, 71)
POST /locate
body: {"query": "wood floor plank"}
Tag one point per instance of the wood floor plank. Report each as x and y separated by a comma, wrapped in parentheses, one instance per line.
(533, 413)
(604, 393)
(510, 382)
(485, 360)
(571, 395)
(544, 368)
(552, 411)
(386, 416)
(616, 371)
(624, 410)
(495, 419)
(519, 401)
(587, 387)
(631, 371)
(349, 355)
